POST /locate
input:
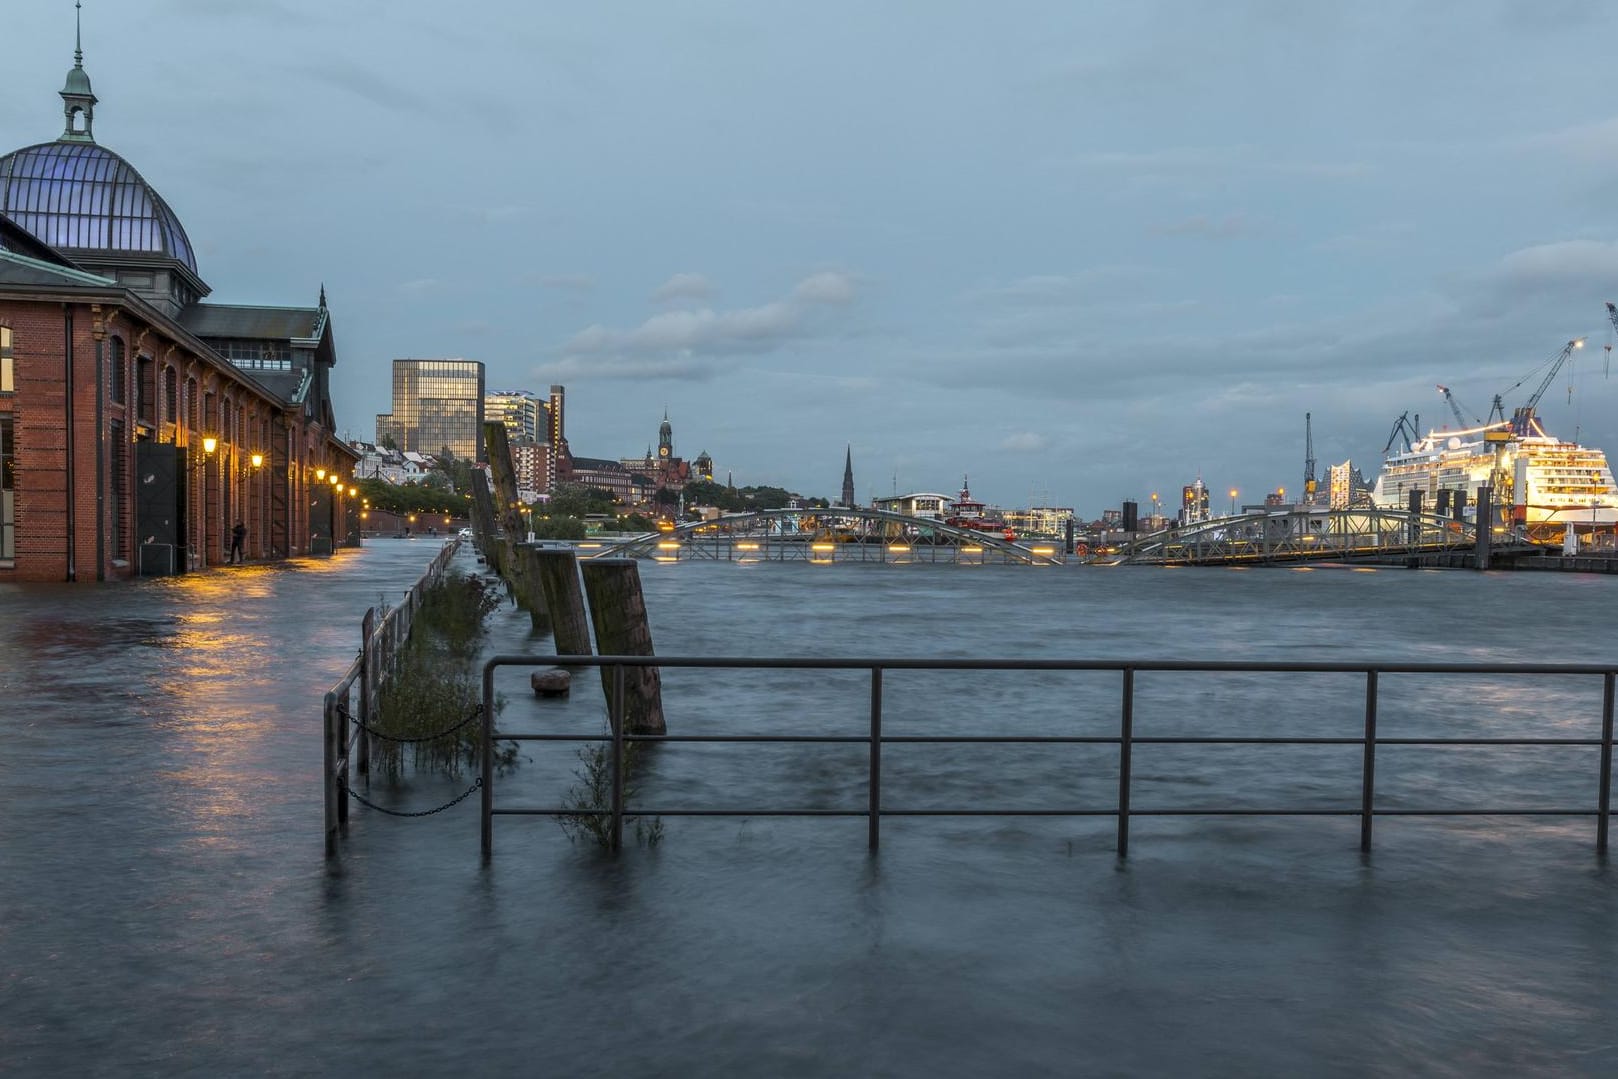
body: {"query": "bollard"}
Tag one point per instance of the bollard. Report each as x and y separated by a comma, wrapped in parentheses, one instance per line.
(619, 612)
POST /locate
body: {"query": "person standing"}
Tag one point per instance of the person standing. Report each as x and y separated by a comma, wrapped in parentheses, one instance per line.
(237, 535)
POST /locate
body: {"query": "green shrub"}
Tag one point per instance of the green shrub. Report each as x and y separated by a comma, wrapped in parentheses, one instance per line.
(433, 690)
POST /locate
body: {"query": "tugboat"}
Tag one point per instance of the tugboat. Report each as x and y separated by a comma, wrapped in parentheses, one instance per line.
(967, 512)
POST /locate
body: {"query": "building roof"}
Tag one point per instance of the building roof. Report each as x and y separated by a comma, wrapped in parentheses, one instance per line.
(81, 197)
(20, 269)
(243, 320)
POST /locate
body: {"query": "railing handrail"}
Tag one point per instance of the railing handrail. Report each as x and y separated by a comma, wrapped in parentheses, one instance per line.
(1125, 739)
(923, 663)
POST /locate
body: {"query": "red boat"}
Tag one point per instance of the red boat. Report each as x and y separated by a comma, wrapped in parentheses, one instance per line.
(967, 512)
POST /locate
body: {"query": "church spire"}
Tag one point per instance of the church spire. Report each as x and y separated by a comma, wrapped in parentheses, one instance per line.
(848, 476)
(78, 100)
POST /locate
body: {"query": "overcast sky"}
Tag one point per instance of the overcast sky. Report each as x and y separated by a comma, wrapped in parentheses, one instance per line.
(1080, 251)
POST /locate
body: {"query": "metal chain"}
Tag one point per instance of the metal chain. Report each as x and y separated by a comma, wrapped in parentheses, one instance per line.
(364, 801)
(477, 710)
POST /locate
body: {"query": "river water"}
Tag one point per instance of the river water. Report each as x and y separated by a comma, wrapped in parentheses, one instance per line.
(165, 908)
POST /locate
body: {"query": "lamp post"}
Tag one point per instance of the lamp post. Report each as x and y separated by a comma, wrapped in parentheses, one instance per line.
(209, 444)
(1154, 509)
(1233, 501)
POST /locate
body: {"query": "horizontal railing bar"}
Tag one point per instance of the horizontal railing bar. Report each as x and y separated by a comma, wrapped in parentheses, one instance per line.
(657, 811)
(1042, 739)
(911, 663)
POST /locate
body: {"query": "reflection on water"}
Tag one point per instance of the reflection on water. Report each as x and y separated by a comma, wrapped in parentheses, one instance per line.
(164, 907)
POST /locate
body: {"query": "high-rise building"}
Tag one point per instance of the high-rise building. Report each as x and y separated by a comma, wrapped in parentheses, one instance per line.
(437, 405)
(521, 412)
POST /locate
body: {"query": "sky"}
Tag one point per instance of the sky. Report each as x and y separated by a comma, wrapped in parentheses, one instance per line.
(1080, 252)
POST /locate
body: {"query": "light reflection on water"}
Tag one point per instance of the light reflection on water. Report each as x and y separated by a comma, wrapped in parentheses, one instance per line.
(164, 907)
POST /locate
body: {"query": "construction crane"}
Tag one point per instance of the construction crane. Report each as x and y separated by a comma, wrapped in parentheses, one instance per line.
(1308, 461)
(1455, 407)
(1612, 317)
(1401, 426)
(1523, 420)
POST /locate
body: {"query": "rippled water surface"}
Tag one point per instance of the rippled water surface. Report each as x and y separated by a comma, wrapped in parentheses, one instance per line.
(165, 908)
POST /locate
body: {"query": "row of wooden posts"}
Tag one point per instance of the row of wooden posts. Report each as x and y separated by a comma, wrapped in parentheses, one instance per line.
(566, 595)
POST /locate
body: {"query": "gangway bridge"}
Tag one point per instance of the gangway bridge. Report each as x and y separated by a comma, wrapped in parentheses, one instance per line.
(1313, 534)
(838, 534)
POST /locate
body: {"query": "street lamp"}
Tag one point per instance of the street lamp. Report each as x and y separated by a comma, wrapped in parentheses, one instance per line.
(1233, 501)
(320, 475)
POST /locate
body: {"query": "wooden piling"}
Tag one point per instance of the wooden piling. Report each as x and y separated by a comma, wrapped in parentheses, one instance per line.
(619, 612)
(558, 571)
(1485, 526)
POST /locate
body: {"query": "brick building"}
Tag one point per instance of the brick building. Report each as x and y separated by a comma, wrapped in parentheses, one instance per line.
(138, 424)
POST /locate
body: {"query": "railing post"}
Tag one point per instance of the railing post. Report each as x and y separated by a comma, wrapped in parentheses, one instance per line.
(617, 756)
(874, 815)
(328, 776)
(1604, 799)
(1368, 771)
(486, 763)
(363, 746)
(1126, 734)
(340, 730)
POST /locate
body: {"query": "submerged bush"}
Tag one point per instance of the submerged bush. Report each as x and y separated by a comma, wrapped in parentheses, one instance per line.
(588, 804)
(428, 704)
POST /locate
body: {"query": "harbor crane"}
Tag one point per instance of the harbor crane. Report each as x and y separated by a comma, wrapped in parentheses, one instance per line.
(1455, 407)
(1523, 420)
(1308, 461)
(1401, 427)
(1612, 317)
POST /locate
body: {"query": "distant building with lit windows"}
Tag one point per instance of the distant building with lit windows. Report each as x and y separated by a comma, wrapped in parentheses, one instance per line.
(437, 405)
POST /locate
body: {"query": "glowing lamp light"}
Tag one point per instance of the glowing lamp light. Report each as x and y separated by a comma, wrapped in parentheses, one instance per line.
(258, 460)
(209, 443)
(823, 546)
(669, 545)
(972, 550)
(898, 548)
(747, 546)
(1043, 551)
(320, 474)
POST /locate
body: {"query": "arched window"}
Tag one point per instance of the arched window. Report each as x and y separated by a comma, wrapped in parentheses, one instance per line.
(171, 395)
(115, 369)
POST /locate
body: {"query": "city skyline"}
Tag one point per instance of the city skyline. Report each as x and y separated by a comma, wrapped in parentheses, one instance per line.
(1089, 254)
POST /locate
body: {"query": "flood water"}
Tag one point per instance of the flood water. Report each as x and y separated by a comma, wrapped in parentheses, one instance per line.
(165, 908)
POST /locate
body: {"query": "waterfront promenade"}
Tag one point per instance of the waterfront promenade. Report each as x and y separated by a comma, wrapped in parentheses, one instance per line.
(167, 908)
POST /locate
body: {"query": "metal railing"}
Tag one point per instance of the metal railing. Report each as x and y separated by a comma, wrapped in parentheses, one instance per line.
(347, 719)
(1125, 740)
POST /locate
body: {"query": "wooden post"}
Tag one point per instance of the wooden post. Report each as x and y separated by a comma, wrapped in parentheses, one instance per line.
(1485, 526)
(619, 613)
(483, 519)
(558, 571)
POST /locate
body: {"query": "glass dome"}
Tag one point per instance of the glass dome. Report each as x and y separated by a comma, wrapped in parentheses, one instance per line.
(81, 197)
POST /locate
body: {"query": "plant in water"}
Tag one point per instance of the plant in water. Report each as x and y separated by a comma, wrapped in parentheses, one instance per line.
(586, 806)
(432, 690)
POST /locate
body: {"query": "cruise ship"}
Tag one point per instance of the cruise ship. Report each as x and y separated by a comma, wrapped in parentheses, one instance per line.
(1548, 484)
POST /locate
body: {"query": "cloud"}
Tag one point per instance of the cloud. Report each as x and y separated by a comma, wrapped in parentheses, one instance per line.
(684, 286)
(684, 368)
(828, 287)
(1025, 442)
(668, 341)
(420, 286)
